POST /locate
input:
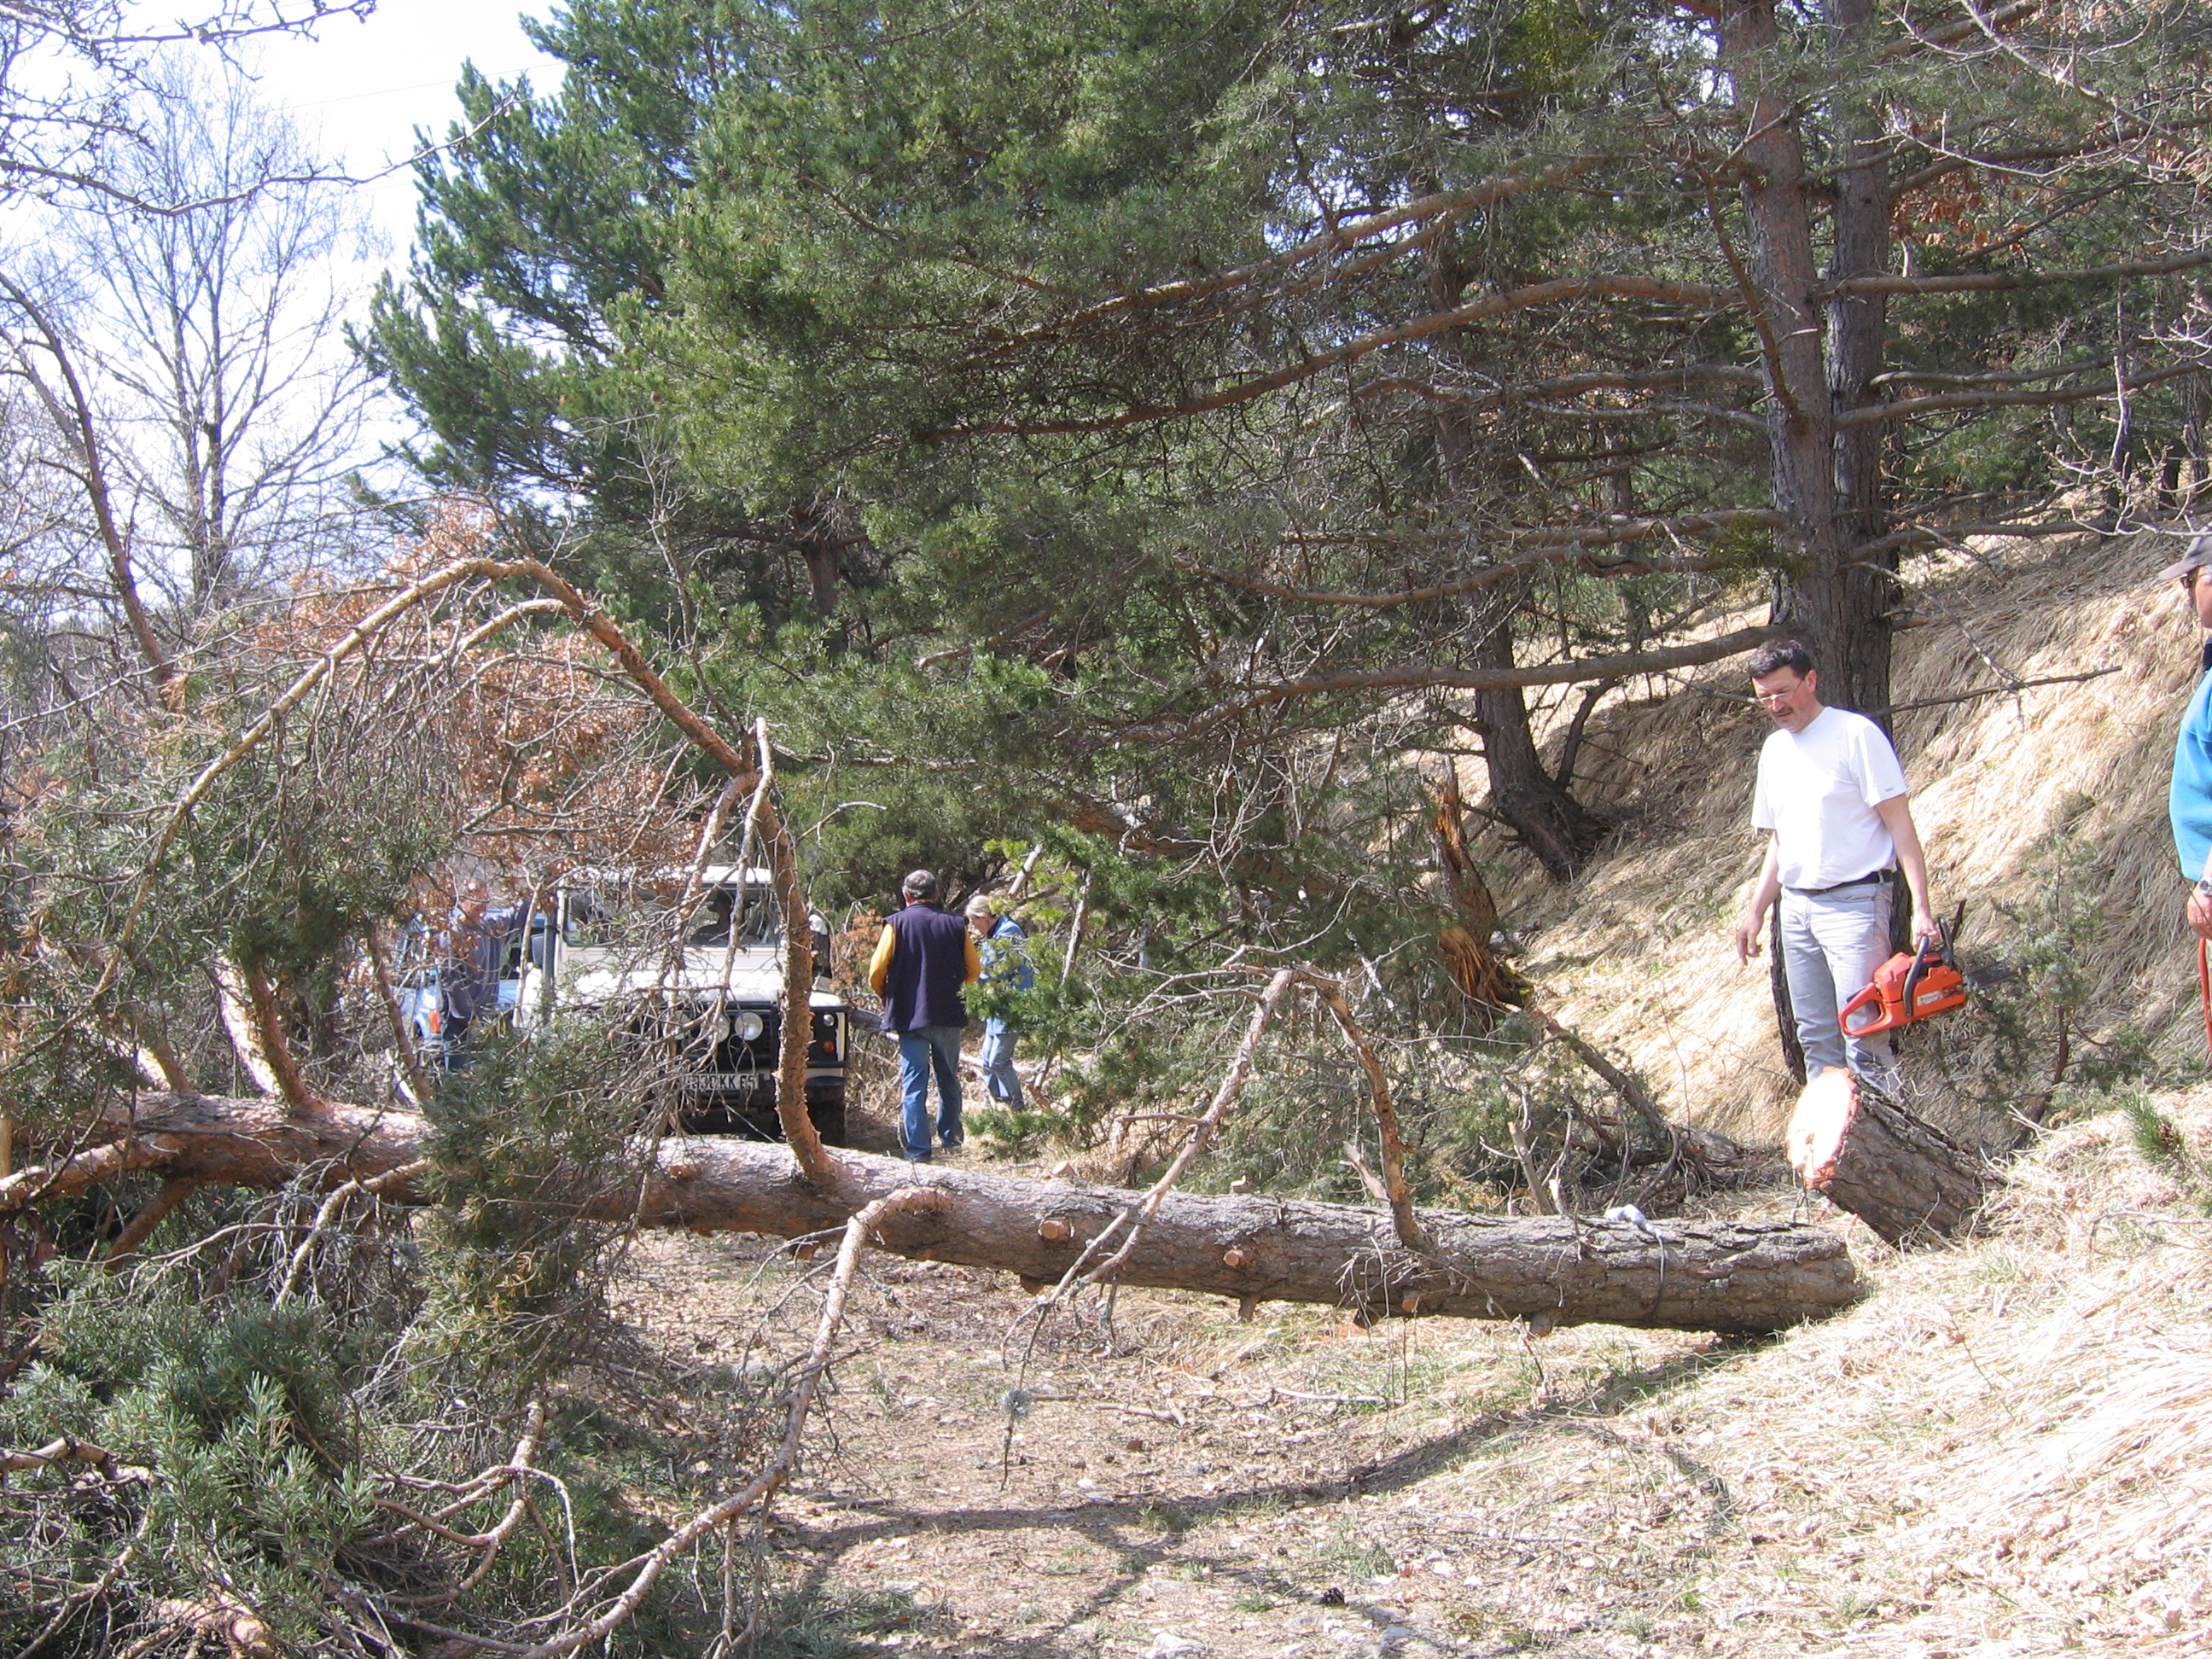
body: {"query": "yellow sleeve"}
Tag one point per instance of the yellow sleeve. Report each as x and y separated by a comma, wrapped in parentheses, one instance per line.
(975, 959)
(879, 965)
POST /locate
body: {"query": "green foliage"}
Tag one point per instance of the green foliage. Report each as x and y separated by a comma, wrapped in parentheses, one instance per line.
(531, 1124)
(2032, 1002)
(239, 1411)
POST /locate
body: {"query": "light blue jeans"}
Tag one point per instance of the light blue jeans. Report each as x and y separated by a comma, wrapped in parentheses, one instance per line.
(1000, 1081)
(1832, 942)
(925, 1049)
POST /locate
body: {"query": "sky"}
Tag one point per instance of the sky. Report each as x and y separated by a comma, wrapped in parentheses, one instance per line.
(361, 88)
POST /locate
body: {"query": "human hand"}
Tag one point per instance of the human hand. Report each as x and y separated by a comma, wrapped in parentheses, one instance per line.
(1750, 935)
(1925, 926)
(2200, 913)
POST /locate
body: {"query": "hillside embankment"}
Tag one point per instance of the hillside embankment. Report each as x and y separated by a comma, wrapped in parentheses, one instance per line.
(1637, 954)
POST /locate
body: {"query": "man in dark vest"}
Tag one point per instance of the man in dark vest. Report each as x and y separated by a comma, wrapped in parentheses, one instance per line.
(924, 956)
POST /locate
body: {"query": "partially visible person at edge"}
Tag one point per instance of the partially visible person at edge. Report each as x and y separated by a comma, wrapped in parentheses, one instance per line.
(924, 956)
(475, 949)
(2189, 797)
(1832, 795)
(1005, 956)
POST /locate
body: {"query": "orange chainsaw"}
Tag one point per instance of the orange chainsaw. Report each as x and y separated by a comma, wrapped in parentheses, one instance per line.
(1907, 988)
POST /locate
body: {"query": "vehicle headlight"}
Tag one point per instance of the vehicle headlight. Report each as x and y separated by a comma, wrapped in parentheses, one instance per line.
(746, 1026)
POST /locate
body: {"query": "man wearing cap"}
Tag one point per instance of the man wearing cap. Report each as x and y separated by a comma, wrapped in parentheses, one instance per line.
(2188, 797)
(924, 955)
(1831, 791)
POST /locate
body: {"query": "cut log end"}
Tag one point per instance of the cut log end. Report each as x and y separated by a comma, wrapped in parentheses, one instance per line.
(1903, 1177)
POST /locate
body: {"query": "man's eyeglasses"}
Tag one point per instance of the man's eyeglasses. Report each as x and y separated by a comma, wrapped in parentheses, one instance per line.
(1776, 699)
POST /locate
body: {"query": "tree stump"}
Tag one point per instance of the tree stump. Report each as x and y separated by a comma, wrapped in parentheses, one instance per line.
(1906, 1179)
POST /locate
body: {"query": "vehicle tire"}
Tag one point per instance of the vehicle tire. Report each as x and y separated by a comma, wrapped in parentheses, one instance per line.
(827, 1108)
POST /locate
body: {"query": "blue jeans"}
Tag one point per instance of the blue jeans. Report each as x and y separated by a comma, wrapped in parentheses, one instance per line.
(931, 1047)
(1832, 942)
(1000, 1081)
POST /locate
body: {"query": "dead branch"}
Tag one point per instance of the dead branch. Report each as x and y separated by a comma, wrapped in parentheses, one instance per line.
(1201, 1136)
(1343, 235)
(1558, 291)
(329, 1212)
(798, 1034)
(515, 1473)
(1395, 1193)
(379, 965)
(157, 1210)
(1997, 281)
(1410, 678)
(1571, 546)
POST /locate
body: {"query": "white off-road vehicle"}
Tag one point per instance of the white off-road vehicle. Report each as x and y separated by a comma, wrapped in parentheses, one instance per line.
(699, 975)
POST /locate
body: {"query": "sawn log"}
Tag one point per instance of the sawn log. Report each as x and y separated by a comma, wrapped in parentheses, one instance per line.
(1903, 1177)
(1686, 1275)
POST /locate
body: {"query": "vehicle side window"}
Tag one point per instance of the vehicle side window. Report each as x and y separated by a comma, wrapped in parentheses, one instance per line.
(588, 921)
(763, 922)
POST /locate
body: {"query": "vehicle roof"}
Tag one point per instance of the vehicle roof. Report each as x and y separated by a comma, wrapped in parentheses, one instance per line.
(710, 875)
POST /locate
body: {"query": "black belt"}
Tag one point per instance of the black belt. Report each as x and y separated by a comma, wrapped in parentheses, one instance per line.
(1856, 881)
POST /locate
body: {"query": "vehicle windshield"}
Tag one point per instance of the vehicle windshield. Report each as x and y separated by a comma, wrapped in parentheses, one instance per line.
(644, 912)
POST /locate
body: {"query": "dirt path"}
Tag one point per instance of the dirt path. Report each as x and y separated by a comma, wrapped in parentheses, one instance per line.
(1291, 1486)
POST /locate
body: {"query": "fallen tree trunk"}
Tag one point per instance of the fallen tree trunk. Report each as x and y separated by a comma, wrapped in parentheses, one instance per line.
(1904, 1178)
(1686, 1275)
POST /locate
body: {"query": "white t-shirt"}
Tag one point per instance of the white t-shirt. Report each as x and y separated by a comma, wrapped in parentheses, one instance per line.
(1817, 791)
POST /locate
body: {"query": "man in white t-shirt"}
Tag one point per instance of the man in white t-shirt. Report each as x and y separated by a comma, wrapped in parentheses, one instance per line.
(1831, 792)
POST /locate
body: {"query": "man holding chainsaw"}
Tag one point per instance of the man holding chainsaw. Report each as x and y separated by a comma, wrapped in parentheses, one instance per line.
(2189, 799)
(1831, 791)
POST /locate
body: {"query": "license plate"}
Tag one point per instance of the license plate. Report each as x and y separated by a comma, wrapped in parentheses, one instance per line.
(718, 1083)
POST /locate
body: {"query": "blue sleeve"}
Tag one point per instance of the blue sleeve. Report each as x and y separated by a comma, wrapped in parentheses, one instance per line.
(2189, 798)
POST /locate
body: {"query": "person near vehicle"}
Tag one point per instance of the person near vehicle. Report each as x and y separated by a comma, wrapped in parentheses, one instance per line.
(1005, 956)
(477, 942)
(2189, 796)
(924, 955)
(1832, 796)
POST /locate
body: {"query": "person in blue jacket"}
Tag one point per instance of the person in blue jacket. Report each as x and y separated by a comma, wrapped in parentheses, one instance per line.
(2189, 798)
(1006, 955)
(924, 955)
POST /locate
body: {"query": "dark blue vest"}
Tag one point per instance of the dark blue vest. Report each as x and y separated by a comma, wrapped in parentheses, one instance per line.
(928, 966)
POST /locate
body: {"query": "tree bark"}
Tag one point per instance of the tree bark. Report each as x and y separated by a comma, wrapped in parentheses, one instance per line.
(1549, 821)
(1858, 332)
(1906, 1179)
(1546, 818)
(1684, 1275)
(1840, 611)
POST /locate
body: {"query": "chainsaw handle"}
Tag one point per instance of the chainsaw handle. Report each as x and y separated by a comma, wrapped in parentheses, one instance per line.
(1871, 994)
(1941, 942)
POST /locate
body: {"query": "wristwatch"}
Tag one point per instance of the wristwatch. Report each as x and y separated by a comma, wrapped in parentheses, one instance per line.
(2204, 888)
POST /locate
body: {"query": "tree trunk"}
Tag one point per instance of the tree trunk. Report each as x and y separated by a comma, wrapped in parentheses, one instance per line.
(1858, 332)
(1684, 1275)
(1906, 1179)
(1785, 1010)
(1546, 819)
(1842, 612)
